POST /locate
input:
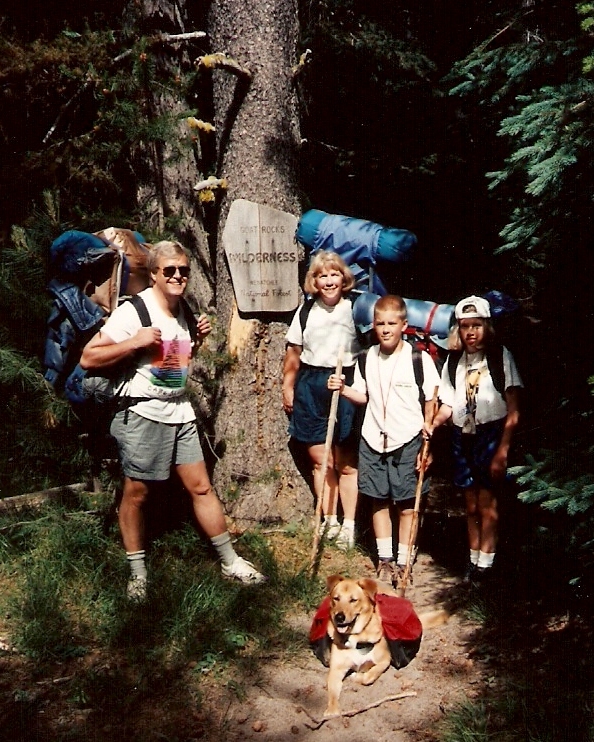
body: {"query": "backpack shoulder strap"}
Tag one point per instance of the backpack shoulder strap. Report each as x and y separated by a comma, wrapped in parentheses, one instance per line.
(138, 304)
(453, 358)
(494, 357)
(417, 360)
(495, 363)
(190, 320)
(362, 364)
(304, 312)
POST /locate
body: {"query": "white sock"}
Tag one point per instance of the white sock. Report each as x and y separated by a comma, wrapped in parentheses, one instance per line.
(485, 560)
(348, 525)
(403, 554)
(137, 564)
(224, 548)
(474, 556)
(331, 520)
(384, 548)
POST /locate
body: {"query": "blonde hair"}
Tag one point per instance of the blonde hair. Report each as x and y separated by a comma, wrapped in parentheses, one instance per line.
(455, 341)
(390, 303)
(165, 249)
(323, 261)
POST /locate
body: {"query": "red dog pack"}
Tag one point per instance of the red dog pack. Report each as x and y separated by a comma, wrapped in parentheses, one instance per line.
(401, 625)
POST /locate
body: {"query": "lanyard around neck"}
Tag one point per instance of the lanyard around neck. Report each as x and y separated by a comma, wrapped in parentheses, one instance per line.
(385, 398)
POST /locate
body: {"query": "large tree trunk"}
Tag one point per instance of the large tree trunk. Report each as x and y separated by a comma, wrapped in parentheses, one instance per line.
(257, 136)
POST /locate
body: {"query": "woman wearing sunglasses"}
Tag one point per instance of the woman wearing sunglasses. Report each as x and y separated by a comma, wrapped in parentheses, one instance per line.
(157, 430)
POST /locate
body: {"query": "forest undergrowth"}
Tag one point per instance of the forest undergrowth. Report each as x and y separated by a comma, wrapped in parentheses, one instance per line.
(73, 647)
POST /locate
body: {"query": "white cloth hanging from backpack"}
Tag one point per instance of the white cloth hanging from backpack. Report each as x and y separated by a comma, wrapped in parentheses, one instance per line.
(490, 405)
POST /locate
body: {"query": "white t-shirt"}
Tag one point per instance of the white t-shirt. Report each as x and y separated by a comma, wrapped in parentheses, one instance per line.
(490, 405)
(162, 373)
(393, 396)
(326, 330)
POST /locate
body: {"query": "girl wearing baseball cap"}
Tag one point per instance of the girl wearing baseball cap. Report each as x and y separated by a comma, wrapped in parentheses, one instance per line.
(479, 392)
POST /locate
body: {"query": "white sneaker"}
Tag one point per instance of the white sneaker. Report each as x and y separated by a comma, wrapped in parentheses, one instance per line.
(243, 571)
(331, 531)
(136, 589)
(345, 539)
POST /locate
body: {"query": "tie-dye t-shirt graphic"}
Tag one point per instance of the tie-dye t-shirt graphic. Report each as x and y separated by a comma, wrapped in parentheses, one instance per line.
(162, 374)
(169, 370)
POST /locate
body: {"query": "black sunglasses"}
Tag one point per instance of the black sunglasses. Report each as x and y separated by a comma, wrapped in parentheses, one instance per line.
(170, 270)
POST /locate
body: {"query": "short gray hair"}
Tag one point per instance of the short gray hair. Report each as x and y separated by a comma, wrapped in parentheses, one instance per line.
(165, 249)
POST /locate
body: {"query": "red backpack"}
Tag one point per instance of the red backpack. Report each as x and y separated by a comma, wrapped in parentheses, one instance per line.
(401, 625)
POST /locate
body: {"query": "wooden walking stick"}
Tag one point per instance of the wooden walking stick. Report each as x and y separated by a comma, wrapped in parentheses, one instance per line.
(325, 459)
(414, 528)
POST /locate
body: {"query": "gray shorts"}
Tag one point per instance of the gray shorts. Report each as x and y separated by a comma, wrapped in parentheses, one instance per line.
(149, 449)
(392, 475)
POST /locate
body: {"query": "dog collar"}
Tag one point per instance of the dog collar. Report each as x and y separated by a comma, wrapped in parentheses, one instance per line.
(363, 647)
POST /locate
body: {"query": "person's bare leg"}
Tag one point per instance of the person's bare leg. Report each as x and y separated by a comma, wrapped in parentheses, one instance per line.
(473, 519)
(487, 507)
(131, 521)
(346, 465)
(405, 526)
(382, 520)
(131, 514)
(211, 518)
(325, 483)
(205, 503)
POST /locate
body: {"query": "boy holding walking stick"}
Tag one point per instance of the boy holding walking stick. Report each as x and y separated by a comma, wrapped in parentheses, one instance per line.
(391, 381)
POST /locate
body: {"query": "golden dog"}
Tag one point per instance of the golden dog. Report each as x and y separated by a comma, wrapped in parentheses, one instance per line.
(355, 630)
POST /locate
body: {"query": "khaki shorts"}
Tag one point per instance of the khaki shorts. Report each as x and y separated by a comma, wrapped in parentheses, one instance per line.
(149, 449)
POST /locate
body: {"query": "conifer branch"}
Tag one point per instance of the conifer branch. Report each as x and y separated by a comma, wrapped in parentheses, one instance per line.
(158, 39)
(171, 38)
(166, 38)
(499, 33)
(220, 59)
(69, 103)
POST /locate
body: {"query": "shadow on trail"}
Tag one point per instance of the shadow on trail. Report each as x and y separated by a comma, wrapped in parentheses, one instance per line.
(534, 637)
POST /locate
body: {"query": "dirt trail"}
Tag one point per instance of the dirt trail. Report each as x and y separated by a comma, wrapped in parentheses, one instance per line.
(293, 693)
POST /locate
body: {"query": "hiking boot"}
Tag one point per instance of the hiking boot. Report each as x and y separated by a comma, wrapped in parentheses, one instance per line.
(399, 575)
(386, 571)
(345, 539)
(468, 576)
(329, 531)
(243, 571)
(136, 589)
(481, 576)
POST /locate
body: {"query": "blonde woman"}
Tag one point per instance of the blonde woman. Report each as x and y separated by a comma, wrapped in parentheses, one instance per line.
(313, 342)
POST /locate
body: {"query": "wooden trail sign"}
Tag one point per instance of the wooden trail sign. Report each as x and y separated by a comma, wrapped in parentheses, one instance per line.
(263, 257)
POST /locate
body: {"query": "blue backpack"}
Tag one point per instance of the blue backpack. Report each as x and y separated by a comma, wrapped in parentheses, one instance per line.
(106, 386)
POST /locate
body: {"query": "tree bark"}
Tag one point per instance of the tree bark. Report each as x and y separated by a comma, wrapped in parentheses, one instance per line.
(257, 141)
(257, 135)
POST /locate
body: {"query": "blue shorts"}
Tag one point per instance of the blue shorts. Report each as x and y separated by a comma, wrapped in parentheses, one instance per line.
(391, 476)
(473, 454)
(311, 406)
(149, 449)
